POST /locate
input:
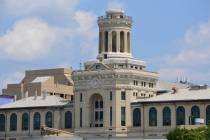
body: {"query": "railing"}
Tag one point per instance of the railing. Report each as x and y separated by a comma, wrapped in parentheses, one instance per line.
(105, 17)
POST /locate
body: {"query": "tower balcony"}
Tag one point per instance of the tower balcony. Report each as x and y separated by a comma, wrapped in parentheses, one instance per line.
(121, 19)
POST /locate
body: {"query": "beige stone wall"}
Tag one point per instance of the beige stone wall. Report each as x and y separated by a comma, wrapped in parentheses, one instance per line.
(59, 82)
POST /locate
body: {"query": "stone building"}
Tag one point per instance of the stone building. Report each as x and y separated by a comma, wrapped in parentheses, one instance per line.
(113, 96)
(25, 117)
(52, 81)
(106, 87)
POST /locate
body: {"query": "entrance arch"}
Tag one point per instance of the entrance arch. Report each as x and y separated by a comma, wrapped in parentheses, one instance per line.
(96, 110)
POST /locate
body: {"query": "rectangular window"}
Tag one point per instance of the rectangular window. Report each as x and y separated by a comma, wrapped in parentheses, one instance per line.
(101, 115)
(110, 95)
(96, 116)
(123, 96)
(80, 97)
(123, 116)
(110, 113)
(80, 117)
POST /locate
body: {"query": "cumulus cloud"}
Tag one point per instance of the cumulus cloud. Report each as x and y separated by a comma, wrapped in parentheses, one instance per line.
(196, 46)
(28, 39)
(28, 7)
(194, 54)
(87, 31)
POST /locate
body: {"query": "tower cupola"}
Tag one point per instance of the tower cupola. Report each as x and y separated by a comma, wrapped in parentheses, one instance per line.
(114, 35)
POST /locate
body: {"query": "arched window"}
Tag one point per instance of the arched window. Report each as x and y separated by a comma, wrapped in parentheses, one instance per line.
(152, 117)
(106, 41)
(68, 120)
(48, 119)
(180, 116)
(136, 117)
(208, 114)
(13, 122)
(166, 116)
(25, 121)
(114, 41)
(37, 121)
(128, 42)
(122, 39)
(195, 113)
(100, 42)
(2, 122)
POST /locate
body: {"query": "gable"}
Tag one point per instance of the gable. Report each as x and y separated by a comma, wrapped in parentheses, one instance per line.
(98, 66)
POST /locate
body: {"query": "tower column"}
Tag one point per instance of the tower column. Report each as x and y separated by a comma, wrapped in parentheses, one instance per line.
(118, 41)
(110, 41)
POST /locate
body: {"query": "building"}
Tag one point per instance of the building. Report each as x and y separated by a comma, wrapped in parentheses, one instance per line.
(113, 96)
(52, 81)
(106, 87)
(25, 117)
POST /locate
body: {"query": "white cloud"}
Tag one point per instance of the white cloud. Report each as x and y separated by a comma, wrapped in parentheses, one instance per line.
(194, 54)
(29, 39)
(196, 46)
(28, 7)
(87, 23)
(87, 31)
(115, 5)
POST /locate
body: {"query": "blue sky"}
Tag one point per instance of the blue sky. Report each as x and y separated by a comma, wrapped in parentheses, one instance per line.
(173, 37)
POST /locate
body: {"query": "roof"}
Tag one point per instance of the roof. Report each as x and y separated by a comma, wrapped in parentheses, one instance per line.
(180, 95)
(40, 79)
(33, 102)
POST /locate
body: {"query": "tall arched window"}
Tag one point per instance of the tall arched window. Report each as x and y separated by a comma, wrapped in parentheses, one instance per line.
(152, 117)
(166, 116)
(2, 122)
(13, 122)
(208, 114)
(25, 121)
(122, 39)
(195, 113)
(114, 41)
(68, 120)
(100, 42)
(48, 119)
(180, 116)
(106, 41)
(37, 121)
(136, 117)
(128, 42)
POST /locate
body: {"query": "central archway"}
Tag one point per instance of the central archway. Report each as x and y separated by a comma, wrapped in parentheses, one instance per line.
(96, 110)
